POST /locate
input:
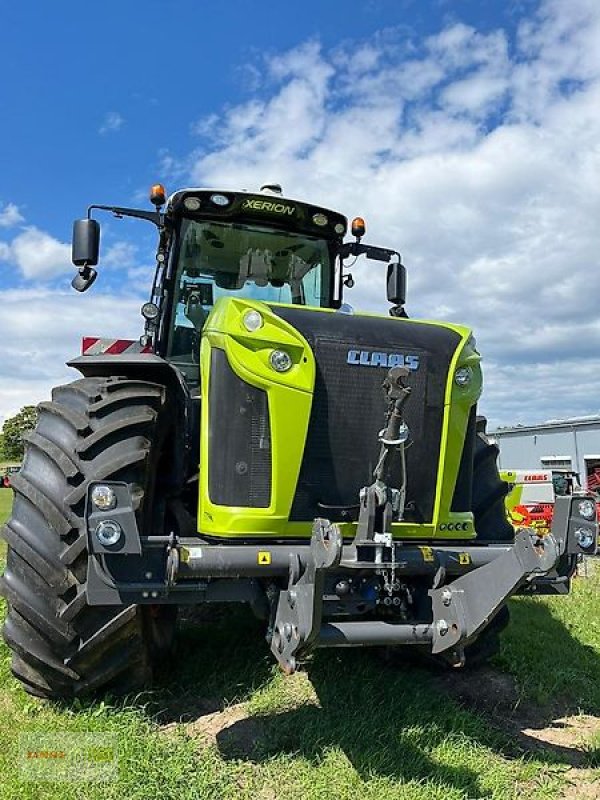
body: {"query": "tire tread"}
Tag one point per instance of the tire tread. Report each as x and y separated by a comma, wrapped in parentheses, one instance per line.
(93, 429)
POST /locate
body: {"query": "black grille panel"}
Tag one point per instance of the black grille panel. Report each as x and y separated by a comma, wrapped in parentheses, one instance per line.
(239, 439)
(349, 410)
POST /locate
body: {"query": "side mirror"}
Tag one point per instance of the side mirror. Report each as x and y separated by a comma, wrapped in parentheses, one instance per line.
(396, 284)
(85, 247)
(84, 279)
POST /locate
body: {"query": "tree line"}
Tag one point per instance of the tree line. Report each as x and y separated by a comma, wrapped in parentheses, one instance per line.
(13, 431)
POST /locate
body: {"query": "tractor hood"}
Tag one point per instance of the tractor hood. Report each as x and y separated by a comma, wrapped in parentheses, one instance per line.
(321, 418)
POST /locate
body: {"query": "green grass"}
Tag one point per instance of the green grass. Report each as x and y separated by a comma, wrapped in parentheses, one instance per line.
(349, 727)
(6, 497)
(593, 747)
(553, 645)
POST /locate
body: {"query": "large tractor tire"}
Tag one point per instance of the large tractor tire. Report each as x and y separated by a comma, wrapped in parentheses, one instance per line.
(491, 524)
(487, 644)
(489, 491)
(94, 429)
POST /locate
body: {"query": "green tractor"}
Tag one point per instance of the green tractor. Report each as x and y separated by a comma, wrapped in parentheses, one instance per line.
(264, 444)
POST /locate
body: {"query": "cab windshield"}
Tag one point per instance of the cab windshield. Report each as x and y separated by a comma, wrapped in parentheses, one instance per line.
(240, 260)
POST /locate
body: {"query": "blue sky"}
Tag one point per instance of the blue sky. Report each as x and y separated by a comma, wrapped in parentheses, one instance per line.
(98, 92)
(465, 132)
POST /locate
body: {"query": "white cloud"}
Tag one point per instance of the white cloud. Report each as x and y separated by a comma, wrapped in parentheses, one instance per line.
(120, 255)
(125, 258)
(476, 156)
(10, 216)
(112, 122)
(37, 254)
(41, 257)
(41, 329)
(473, 153)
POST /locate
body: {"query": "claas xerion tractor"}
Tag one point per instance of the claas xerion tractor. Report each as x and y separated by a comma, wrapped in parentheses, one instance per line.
(265, 445)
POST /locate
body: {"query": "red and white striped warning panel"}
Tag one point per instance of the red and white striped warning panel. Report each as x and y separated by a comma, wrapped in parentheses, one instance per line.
(95, 346)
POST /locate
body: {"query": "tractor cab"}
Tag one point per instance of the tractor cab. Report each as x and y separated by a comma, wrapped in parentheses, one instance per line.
(265, 248)
(215, 244)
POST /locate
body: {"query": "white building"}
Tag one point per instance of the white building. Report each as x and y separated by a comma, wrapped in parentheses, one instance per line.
(558, 445)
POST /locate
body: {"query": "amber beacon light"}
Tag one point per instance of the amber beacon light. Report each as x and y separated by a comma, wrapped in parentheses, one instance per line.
(358, 227)
(158, 196)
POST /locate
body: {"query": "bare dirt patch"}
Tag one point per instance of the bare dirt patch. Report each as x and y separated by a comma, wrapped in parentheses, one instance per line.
(233, 729)
(208, 727)
(238, 729)
(582, 784)
(554, 729)
(570, 731)
(186, 710)
(496, 696)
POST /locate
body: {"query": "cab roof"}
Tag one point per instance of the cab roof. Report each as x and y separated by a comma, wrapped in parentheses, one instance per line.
(259, 207)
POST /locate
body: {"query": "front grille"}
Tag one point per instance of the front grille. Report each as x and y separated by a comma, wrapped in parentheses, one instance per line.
(349, 408)
(239, 439)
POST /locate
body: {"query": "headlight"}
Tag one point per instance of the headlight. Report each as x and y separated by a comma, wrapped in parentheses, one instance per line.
(150, 311)
(585, 538)
(192, 203)
(103, 497)
(108, 532)
(463, 376)
(219, 199)
(587, 509)
(252, 320)
(280, 360)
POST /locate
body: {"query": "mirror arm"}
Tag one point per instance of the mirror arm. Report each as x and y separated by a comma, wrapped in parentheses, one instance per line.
(155, 217)
(374, 253)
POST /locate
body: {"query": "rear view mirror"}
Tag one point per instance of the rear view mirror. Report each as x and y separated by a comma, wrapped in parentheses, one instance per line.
(84, 279)
(86, 243)
(85, 249)
(396, 284)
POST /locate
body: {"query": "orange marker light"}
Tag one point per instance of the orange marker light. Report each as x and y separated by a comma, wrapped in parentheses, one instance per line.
(158, 196)
(358, 227)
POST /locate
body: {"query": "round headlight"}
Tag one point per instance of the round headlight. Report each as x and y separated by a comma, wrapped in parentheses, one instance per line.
(320, 219)
(252, 320)
(150, 311)
(192, 203)
(584, 537)
(339, 228)
(219, 199)
(108, 532)
(587, 508)
(280, 360)
(463, 376)
(103, 497)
